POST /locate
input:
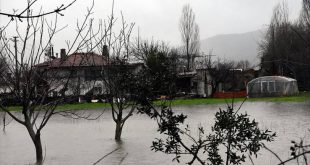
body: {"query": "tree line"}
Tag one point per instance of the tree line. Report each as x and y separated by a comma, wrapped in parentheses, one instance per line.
(285, 48)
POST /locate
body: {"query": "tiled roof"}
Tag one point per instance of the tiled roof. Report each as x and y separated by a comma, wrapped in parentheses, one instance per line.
(76, 59)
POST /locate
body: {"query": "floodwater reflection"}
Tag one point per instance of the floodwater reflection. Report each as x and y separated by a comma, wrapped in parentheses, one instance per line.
(80, 142)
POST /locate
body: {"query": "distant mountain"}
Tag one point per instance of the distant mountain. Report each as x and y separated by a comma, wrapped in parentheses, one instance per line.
(242, 46)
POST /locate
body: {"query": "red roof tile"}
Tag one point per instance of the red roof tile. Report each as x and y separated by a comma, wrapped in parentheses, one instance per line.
(76, 59)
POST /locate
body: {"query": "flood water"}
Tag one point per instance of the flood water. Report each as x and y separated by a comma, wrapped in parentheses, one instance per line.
(82, 142)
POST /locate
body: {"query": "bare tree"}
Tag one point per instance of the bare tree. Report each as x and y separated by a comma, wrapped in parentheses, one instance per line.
(31, 85)
(275, 48)
(243, 64)
(304, 18)
(119, 75)
(285, 48)
(219, 72)
(3, 91)
(142, 49)
(23, 14)
(161, 64)
(190, 36)
(121, 83)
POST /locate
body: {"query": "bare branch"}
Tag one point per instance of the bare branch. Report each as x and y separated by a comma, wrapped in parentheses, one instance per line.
(21, 15)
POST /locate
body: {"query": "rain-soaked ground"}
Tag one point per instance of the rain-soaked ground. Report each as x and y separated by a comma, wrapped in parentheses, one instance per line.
(81, 142)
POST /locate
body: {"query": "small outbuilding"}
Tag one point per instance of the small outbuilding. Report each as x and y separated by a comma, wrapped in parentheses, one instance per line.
(272, 86)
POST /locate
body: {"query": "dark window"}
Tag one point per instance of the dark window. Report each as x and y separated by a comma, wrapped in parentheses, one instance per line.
(91, 75)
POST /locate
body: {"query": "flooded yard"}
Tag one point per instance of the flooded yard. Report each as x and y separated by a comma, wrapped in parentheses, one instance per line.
(80, 142)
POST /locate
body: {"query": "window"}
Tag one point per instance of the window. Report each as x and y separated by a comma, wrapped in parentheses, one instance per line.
(74, 73)
(91, 75)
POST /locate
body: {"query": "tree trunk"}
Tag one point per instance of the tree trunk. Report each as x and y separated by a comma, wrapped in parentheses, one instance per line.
(118, 131)
(188, 55)
(36, 139)
(38, 146)
(4, 124)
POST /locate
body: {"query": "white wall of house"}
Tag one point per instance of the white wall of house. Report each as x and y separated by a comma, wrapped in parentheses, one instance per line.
(203, 78)
(78, 81)
(5, 89)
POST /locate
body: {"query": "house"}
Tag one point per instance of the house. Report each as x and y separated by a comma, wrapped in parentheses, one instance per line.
(204, 82)
(5, 87)
(81, 70)
(184, 82)
(233, 84)
(84, 73)
(196, 83)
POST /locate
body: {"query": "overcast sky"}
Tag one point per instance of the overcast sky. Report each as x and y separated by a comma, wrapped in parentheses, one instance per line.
(159, 19)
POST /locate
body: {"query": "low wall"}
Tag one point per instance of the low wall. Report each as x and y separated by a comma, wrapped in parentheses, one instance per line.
(230, 94)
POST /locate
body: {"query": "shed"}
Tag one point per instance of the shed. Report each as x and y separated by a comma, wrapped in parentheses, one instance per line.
(272, 86)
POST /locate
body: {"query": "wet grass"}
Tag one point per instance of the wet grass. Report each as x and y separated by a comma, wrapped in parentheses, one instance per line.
(302, 97)
(14, 108)
(74, 106)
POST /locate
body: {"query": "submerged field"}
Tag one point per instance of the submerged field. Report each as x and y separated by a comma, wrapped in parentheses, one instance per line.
(79, 142)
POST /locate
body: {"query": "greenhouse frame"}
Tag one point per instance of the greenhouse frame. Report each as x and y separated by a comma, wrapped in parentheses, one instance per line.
(269, 86)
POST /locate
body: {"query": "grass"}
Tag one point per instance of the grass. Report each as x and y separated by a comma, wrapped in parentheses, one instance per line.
(14, 108)
(74, 106)
(302, 97)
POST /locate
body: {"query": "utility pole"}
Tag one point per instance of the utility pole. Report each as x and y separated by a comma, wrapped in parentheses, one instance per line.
(0, 11)
(208, 57)
(16, 65)
(138, 38)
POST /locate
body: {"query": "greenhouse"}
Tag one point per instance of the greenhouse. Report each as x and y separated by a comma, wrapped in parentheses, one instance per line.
(272, 86)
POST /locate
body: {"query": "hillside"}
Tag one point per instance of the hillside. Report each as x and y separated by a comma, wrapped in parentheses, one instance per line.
(242, 46)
